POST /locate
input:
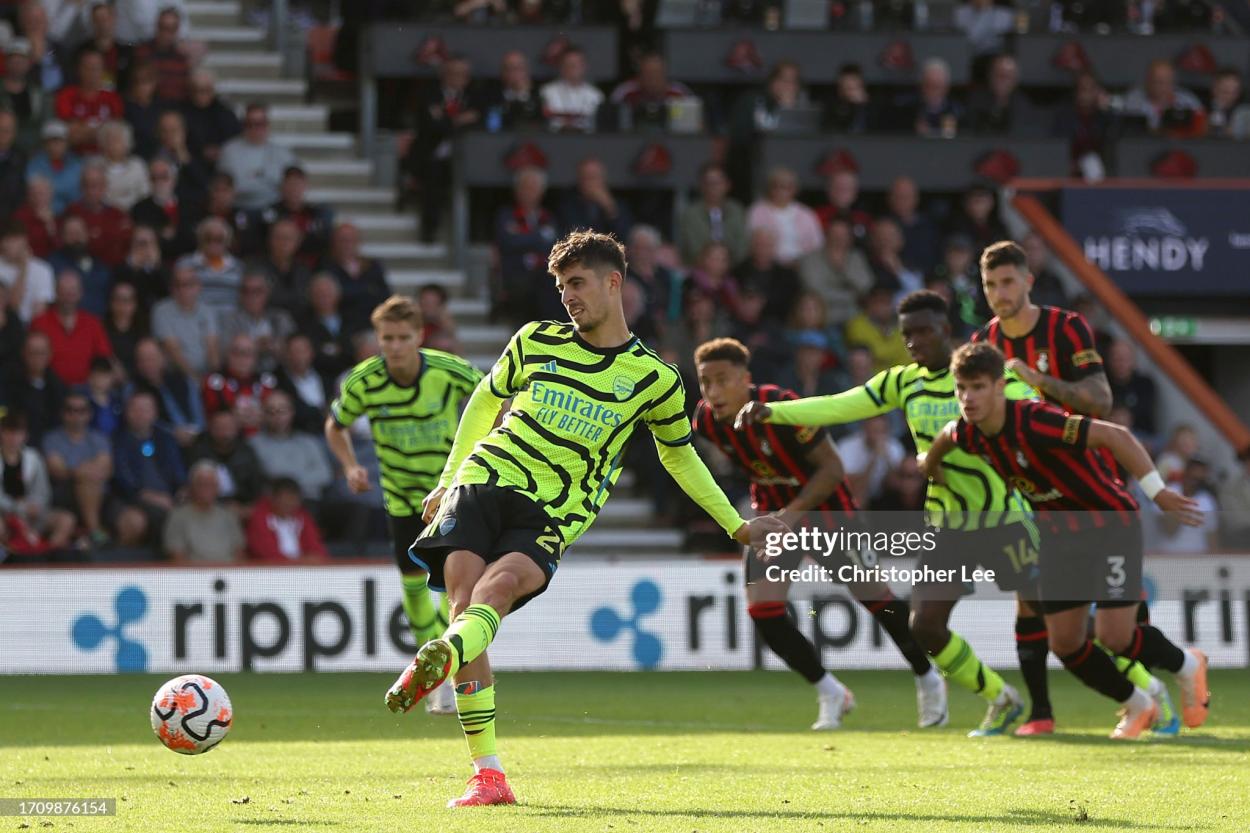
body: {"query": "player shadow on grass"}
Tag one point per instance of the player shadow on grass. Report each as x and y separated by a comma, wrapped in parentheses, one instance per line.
(1029, 817)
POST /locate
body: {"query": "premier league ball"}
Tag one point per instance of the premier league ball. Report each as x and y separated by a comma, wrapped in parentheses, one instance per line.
(191, 714)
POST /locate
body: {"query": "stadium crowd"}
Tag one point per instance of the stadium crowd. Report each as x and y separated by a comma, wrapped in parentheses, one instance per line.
(175, 314)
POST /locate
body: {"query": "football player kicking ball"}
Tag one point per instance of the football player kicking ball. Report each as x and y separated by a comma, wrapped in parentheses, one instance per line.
(1092, 544)
(796, 473)
(978, 518)
(412, 397)
(512, 498)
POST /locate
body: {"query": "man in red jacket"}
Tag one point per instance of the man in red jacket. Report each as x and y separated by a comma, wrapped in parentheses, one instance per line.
(281, 530)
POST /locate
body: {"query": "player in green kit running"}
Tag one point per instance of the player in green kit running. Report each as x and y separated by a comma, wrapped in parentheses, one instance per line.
(512, 498)
(979, 518)
(412, 397)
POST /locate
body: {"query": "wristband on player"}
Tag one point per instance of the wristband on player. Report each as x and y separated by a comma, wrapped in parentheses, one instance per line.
(1152, 484)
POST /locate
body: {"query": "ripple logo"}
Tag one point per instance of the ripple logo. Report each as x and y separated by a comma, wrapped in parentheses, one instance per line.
(130, 605)
(606, 624)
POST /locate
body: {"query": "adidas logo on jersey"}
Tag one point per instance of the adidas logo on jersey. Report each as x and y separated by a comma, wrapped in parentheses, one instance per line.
(551, 367)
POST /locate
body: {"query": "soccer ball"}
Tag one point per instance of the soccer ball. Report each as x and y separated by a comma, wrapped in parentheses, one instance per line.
(191, 714)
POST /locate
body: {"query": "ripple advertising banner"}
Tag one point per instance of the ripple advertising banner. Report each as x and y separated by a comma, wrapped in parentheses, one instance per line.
(1164, 241)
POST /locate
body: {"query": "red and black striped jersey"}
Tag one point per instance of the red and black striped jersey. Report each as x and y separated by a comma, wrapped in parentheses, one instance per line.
(773, 456)
(1043, 451)
(1061, 344)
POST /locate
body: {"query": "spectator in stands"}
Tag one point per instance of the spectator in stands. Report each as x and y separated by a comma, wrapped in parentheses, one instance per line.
(137, 19)
(147, 471)
(143, 268)
(80, 465)
(904, 490)
(323, 323)
(33, 389)
(811, 314)
(1177, 538)
(1228, 117)
(794, 226)
(362, 280)
(868, 456)
(977, 217)
(32, 21)
(842, 193)
(958, 279)
(1182, 446)
(210, 122)
(241, 222)
(76, 336)
(438, 328)
(108, 228)
(125, 324)
(848, 111)
(104, 395)
(88, 104)
(281, 530)
(876, 329)
(713, 277)
(516, 104)
(999, 107)
(312, 220)
(185, 326)
(1089, 125)
(239, 380)
(166, 214)
(299, 379)
(101, 22)
(714, 218)
(811, 371)
(702, 320)
(288, 276)
(838, 273)
(143, 109)
(284, 452)
(934, 112)
(58, 165)
(885, 256)
(220, 273)
(200, 529)
(194, 177)
(239, 475)
(1132, 389)
(38, 218)
(661, 288)
(758, 112)
(33, 526)
(1235, 503)
(75, 256)
(128, 181)
(592, 204)
(12, 164)
(449, 108)
(524, 234)
(22, 96)
(179, 407)
(12, 335)
(1047, 285)
(267, 326)
(28, 278)
(986, 26)
(763, 271)
(255, 162)
(1168, 110)
(570, 102)
(642, 101)
(173, 70)
(920, 233)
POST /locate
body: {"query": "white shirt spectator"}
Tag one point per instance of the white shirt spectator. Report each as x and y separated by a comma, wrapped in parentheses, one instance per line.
(796, 228)
(190, 328)
(257, 171)
(136, 19)
(220, 281)
(571, 107)
(1188, 540)
(39, 285)
(858, 459)
(128, 183)
(985, 26)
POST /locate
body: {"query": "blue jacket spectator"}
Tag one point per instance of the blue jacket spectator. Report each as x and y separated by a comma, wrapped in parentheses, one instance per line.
(524, 235)
(146, 458)
(56, 164)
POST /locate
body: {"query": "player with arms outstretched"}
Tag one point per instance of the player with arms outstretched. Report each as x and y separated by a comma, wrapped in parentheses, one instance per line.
(797, 474)
(512, 498)
(412, 397)
(1092, 543)
(979, 519)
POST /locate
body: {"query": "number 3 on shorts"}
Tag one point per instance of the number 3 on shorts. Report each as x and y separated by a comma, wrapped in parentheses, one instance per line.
(1115, 571)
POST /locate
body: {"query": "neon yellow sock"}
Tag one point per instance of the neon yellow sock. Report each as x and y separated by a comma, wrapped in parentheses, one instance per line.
(1131, 668)
(960, 663)
(471, 633)
(477, 718)
(419, 607)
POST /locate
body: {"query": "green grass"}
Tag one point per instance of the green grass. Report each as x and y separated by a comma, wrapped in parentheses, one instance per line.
(616, 752)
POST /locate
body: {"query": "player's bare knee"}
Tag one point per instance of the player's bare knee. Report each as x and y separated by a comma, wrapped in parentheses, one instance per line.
(1063, 643)
(1114, 638)
(499, 590)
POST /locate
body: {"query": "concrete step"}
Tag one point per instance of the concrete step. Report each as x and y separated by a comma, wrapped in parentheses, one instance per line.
(298, 118)
(408, 280)
(482, 338)
(625, 511)
(213, 12)
(630, 541)
(307, 145)
(229, 63)
(231, 37)
(353, 200)
(342, 173)
(465, 309)
(383, 228)
(269, 90)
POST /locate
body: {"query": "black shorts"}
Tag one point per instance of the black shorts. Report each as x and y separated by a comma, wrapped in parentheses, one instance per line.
(489, 522)
(1010, 550)
(403, 532)
(1102, 565)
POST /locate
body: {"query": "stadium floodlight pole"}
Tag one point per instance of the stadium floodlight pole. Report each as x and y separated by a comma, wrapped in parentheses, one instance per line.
(280, 23)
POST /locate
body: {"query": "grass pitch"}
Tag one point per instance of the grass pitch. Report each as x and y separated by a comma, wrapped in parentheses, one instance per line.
(639, 752)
